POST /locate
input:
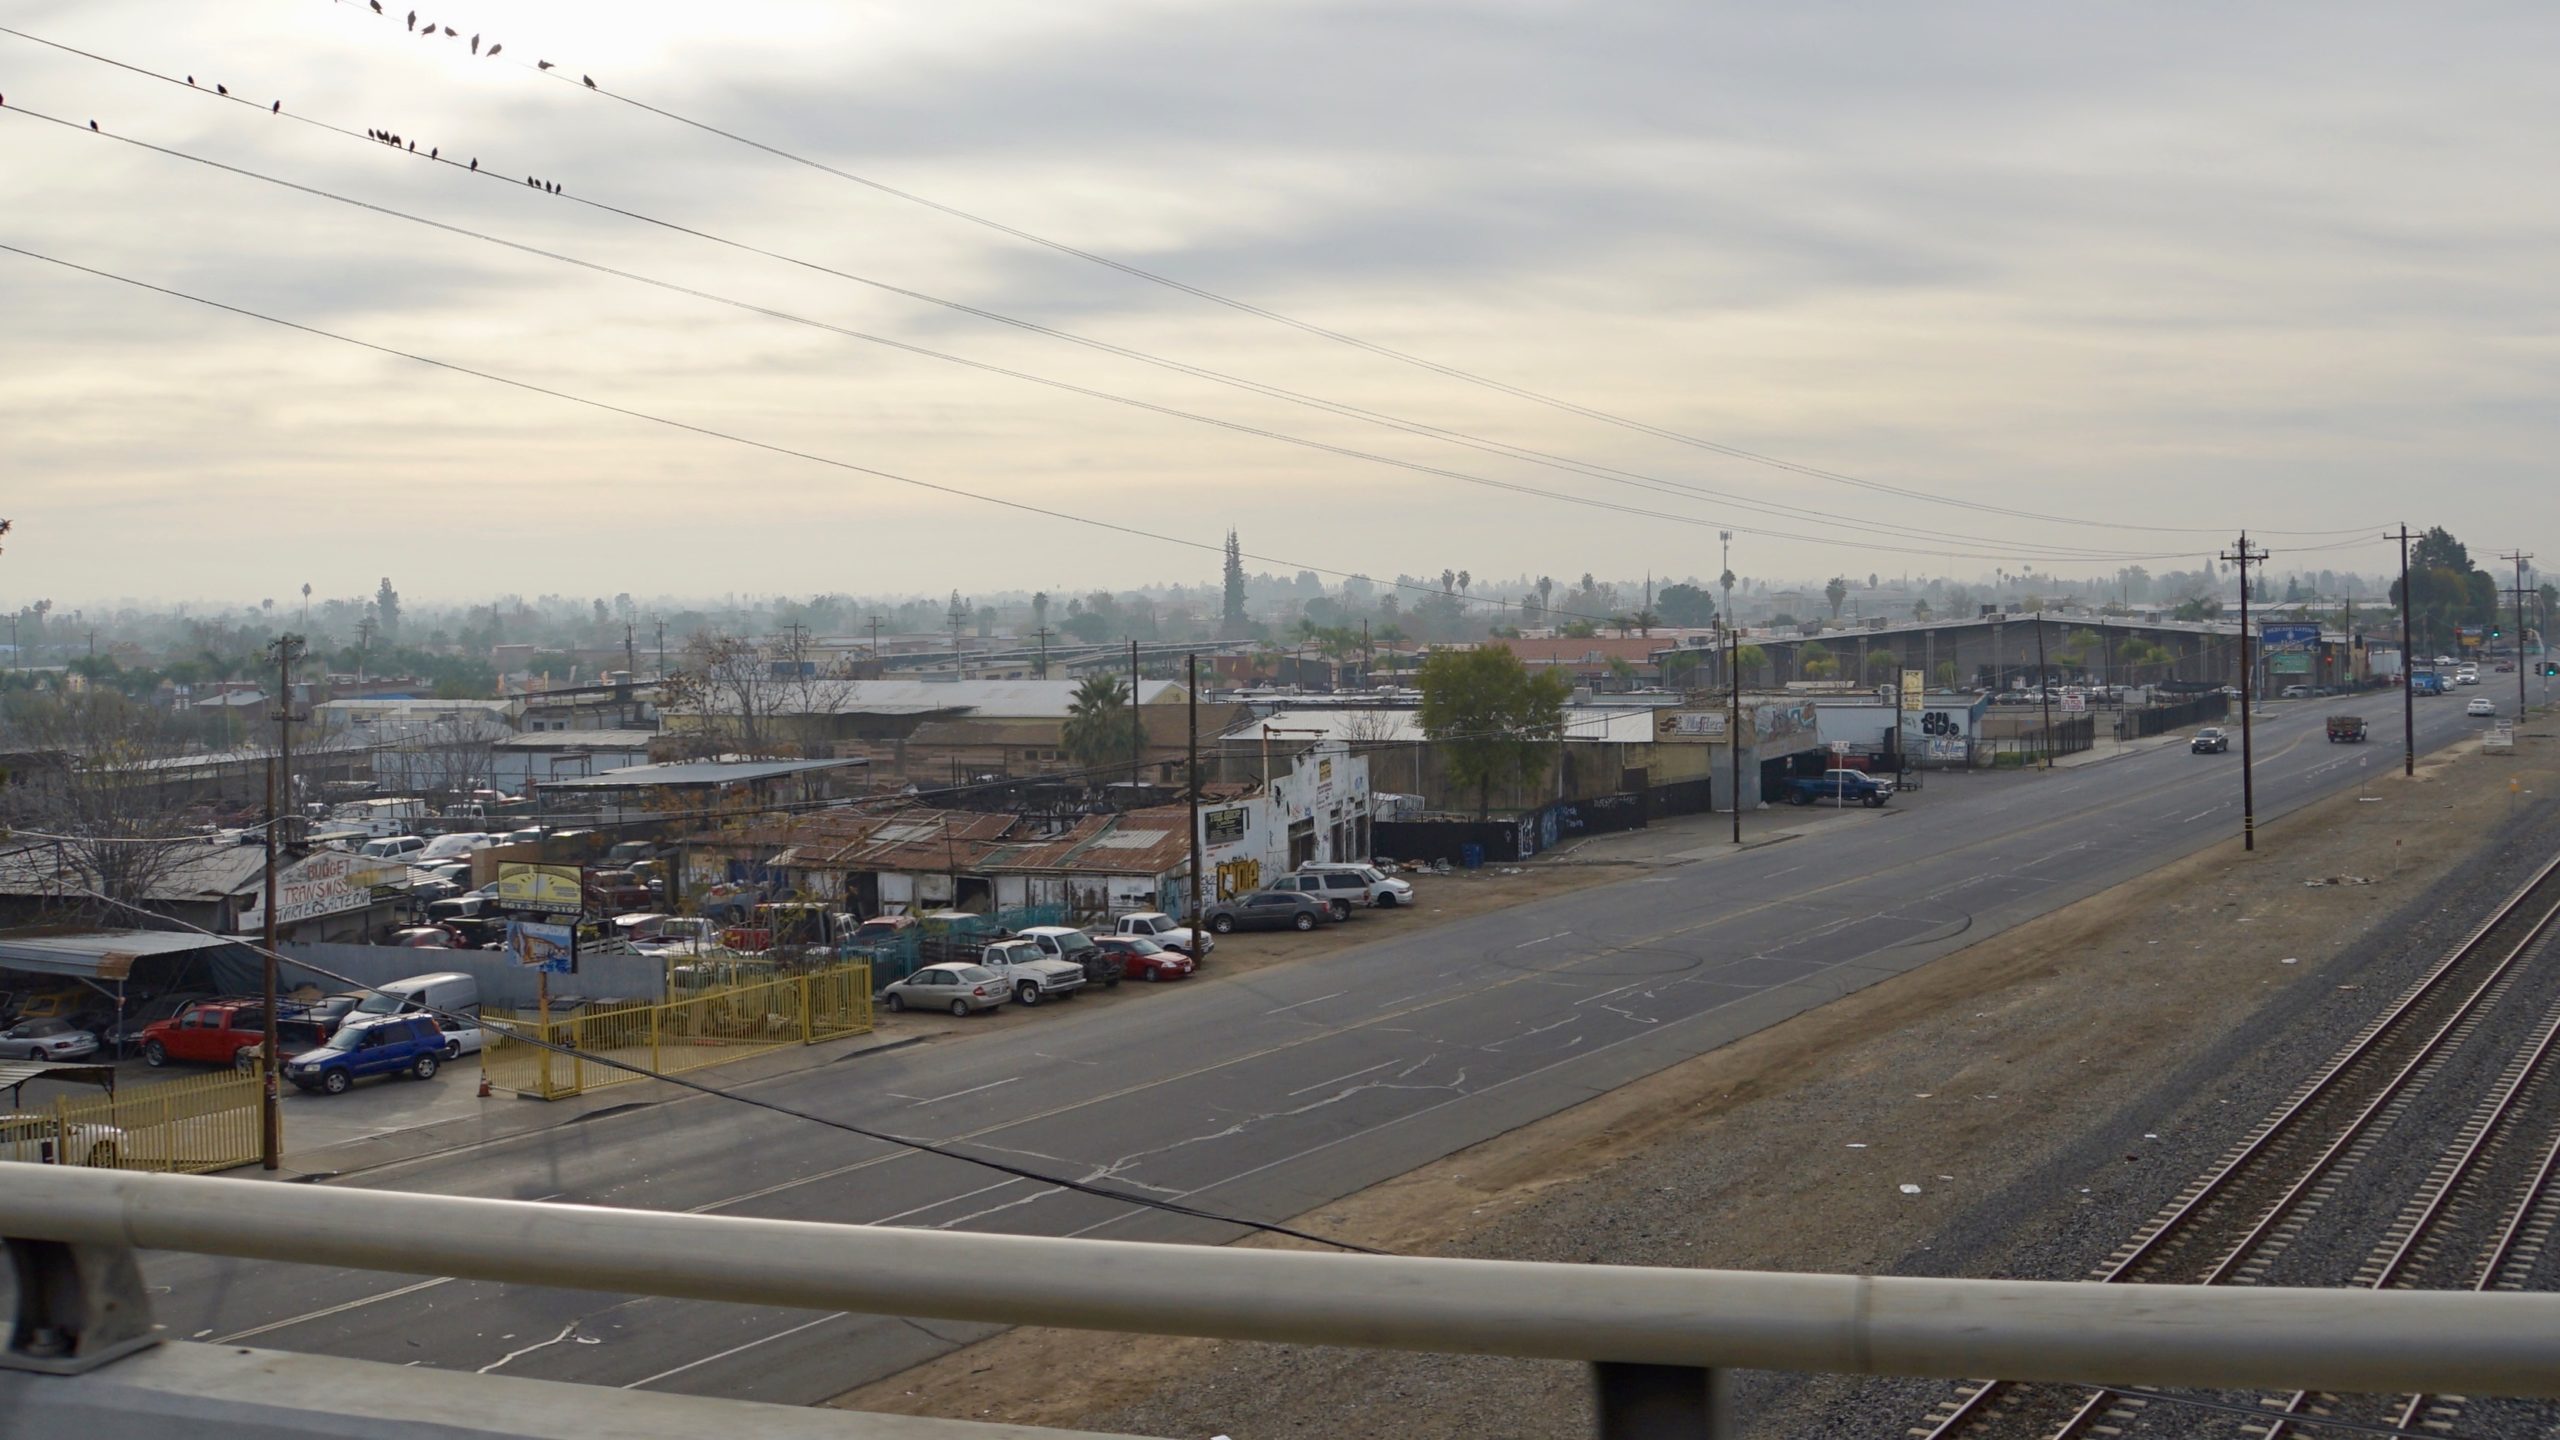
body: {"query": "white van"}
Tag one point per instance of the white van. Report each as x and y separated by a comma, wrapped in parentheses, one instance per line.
(459, 843)
(394, 847)
(381, 817)
(451, 996)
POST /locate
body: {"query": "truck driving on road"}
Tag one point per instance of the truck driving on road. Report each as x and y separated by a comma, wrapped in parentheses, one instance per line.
(2346, 729)
(1836, 787)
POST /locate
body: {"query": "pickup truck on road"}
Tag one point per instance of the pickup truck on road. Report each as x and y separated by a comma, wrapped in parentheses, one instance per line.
(2346, 729)
(1033, 975)
(1836, 787)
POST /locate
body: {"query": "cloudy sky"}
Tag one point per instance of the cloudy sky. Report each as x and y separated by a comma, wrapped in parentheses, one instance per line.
(2165, 265)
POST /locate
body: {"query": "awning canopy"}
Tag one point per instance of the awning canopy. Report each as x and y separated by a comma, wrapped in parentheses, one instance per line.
(103, 955)
(17, 1073)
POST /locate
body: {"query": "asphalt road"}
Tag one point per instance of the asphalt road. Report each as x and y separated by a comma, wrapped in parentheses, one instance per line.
(1270, 1095)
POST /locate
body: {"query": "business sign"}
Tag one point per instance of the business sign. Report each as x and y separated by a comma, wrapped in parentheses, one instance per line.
(2289, 647)
(541, 889)
(328, 882)
(1693, 724)
(550, 948)
(2472, 636)
(1915, 691)
(1223, 827)
(2074, 704)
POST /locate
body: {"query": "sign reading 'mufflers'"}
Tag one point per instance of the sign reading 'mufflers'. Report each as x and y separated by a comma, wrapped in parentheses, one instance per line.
(1692, 724)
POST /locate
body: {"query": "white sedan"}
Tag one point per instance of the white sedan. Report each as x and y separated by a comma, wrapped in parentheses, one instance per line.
(2481, 706)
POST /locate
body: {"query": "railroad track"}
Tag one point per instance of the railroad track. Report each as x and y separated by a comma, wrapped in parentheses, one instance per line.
(2228, 1225)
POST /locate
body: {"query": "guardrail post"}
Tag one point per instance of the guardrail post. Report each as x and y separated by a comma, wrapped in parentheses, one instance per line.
(79, 1306)
(1660, 1402)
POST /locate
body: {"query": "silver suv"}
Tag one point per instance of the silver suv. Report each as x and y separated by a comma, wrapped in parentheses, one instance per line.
(1362, 884)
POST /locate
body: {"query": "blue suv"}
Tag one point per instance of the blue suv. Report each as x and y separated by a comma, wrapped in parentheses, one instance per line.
(393, 1045)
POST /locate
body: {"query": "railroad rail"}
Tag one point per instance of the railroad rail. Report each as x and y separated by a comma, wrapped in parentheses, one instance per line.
(2227, 1225)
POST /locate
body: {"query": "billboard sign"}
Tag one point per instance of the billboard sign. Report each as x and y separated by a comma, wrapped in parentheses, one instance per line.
(2289, 647)
(1915, 691)
(1692, 725)
(2472, 636)
(327, 882)
(541, 889)
(550, 948)
(1223, 827)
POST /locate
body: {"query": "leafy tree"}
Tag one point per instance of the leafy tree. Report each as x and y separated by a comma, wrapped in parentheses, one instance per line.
(1814, 661)
(2193, 609)
(1750, 660)
(1946, 674)
(2450, 590)
(1232, 624)
(1622, 671)
(1883, 665)
(1579, 630)
(1837, 592)
(1686, 606)
(1679, 669)
(1492, 720)
(1920, 611)
(1102, 726)
(386, 605)
(1784, 620)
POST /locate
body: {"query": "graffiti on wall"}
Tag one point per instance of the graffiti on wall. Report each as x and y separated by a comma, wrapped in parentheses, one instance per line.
(1776, 722)
(1238, 877)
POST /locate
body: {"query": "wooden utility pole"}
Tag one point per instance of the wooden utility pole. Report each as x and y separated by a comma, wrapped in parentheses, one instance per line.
(286, 649)
(1191, 917)
(2519, 557)
(2044, 691)
(1733, 676)
(2245, 557)
(1137, 726)
(1042, 635)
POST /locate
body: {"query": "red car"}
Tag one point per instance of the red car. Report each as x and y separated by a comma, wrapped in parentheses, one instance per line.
(1144, 959)
(226, 1032)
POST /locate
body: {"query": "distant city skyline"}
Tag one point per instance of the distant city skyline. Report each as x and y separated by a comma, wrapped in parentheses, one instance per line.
(2182, 267)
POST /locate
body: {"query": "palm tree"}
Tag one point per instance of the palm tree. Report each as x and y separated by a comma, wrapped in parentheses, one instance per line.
(1448, 582)
(1645, 620)
(1837, 592)
(1101, 729)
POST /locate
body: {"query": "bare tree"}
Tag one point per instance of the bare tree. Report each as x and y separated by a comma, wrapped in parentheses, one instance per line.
(97, 809)
(754, 700)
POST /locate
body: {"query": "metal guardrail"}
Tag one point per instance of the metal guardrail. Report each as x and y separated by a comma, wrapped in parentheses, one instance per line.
(1655, 1336)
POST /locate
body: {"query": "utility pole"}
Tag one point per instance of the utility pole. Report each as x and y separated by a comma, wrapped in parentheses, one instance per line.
(662, 647)
(279, 776)
(1733, 680)
(1137, 726)
(1042, 634)
(630, 649)
(2044, 692)
(2244, 557)
(875, 640)
(1191, 917)
(2408, 667)
(2519, 557)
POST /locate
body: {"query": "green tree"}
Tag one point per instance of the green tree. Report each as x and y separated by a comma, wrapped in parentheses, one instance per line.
(1837, 592)
(1686, 606)
(1580, 630)
(1920, 611)
(1102, 726)
(1232, 624)
(1750, 660)
(1492, 720)
(1946, 674)
(1814, 662)
(1679, 669)
(2450, 591)
(386, 605)
(1883, 666)
(2191, 610)
(1622, 672)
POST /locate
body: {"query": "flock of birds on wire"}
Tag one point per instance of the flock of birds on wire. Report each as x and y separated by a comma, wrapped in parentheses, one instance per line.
(396, 142)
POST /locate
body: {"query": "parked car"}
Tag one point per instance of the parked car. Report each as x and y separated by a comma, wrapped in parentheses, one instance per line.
(364, 1048)
(126, 1033)
(393, 847)
(1144, 959)
(227, 1032)
(2294, 692)
(1166, 931)
(1268, 910)
(41, 1140)
(960, 989)
(2211, 740)
(1369, 884)
(1340, 904)
(450, 997)
(2481, 705)
(630, 852)
(1034, 975)
(46, 1040)
(460, 842)
(878, 930)
(1059, 942)
(425, 937)
(1835, 787)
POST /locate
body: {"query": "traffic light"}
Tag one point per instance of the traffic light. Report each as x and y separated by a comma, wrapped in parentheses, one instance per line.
(2550, 668)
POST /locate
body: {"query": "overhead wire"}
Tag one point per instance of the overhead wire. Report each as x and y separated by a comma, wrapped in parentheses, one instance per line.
(1999, 551)
(1594, 470)
(562, 76)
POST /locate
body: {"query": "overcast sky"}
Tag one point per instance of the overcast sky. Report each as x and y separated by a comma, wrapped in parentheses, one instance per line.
(2288, 267)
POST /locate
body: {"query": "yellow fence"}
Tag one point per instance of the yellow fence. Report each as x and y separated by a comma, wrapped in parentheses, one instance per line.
(694, 1029)
(185, 1126)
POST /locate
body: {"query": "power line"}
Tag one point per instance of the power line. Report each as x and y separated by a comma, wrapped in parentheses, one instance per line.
(2005, 552)
(562, 76)
(1594, 470)
(905, 1142)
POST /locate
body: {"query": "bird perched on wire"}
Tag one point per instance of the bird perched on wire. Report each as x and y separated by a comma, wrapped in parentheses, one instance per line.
(276, 109)
(377, 7)
(590, 79)
(475, 44)
(433, 153)
(93, 124)
(541, 64)
(221, 89)
(413, 19)
(191, 79)
(450, 32)
(475, 162)
(494, 49)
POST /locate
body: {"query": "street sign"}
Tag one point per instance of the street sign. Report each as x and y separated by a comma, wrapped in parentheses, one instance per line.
(2073, 704)
(1915, 691)
(549, 948)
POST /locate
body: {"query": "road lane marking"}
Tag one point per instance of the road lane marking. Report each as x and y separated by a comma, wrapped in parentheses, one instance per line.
(956, 1094)
(358, 1303)
(1541, 940)
(733, 1350)
(1285, 1009)
(1338, 1079)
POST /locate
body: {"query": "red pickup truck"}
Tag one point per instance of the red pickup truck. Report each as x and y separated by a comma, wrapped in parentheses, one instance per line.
(226, 1032)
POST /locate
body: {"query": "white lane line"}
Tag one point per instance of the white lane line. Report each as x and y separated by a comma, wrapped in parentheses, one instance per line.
(1541, 940)
(733, 1350)
(1774, 874)
(1285, 1009)
(356, 1304)
(956, 1094)
(1605, 994)
(2190, 820)
(1338, 1079)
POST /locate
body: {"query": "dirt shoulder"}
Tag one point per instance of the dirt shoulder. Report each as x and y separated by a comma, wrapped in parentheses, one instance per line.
(1790, 1149)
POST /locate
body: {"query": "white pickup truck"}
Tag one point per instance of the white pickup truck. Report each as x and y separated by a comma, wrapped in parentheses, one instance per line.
(1034, 975)
(1166, 931)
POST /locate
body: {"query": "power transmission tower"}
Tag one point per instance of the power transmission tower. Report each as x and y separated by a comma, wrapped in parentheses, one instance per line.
(2245, 557)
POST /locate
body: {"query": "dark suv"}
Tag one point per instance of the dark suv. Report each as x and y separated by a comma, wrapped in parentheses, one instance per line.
(361, 1049)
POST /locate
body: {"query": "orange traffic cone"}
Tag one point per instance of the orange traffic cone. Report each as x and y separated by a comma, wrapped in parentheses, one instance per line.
(484, 1084)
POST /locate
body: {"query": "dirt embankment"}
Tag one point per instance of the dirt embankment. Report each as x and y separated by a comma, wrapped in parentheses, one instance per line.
(1790, 1149)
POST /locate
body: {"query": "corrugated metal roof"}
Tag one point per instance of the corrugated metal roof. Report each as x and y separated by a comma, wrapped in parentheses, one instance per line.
(992, 699)
(102, 954)
(699, 772)
(580, 740)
